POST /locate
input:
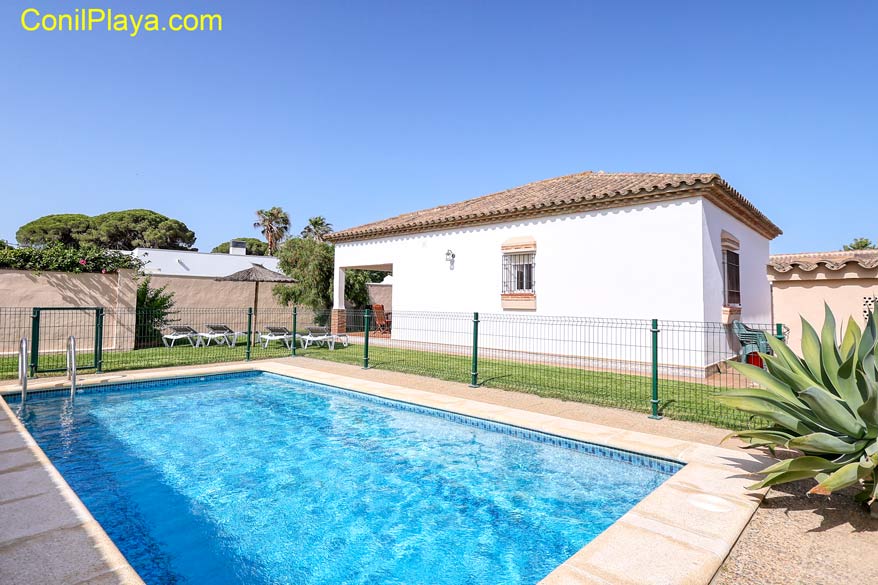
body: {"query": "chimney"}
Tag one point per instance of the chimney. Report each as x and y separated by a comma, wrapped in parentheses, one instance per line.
(237, 248)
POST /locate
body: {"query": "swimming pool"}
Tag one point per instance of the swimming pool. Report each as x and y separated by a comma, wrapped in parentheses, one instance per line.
(259, 478)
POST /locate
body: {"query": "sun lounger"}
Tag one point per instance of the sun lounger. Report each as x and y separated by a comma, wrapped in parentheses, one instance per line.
(179, 332)
(322, 336)
(281, 334)
(222, 334)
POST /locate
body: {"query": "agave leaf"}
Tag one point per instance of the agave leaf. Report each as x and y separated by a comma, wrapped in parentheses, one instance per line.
(868, 340)
(774, 390)
(874, 494)
(790, 360)
(802, 463)
(769, 409)
(763, 436)
(811, 350)
(848, 458)
(794, 379)
(829, 328)
(851, 339)
(832, 412)
(868, 411)
(828, 350)
(872, 449)
(867, 386)
(797, 408)
(825, 443)
(846, 383)
(782, 477)
(867, 367)
(847, 476)
(767, 381)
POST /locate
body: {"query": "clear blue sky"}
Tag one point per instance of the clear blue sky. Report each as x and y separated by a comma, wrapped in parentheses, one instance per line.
(362, 110)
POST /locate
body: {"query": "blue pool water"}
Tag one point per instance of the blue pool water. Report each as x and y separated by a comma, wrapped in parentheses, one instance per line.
(258, 479)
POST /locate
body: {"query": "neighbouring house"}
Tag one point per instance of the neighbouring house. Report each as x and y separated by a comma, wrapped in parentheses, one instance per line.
(802, 283)
(683, 247)
(192, 276)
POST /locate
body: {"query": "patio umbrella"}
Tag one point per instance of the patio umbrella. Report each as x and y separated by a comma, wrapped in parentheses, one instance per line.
(256, 274)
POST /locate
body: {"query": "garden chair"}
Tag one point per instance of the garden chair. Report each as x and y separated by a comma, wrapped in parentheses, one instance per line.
(752, 341)
(322, 336)
(179, 332)
(222, 334)
(281, 334)
(382, 321)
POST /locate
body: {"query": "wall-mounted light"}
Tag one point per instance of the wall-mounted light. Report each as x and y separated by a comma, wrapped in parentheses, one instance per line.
(449, 257)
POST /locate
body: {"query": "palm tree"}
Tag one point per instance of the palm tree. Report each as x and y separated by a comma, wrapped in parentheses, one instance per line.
(274, 224)
(317, 228)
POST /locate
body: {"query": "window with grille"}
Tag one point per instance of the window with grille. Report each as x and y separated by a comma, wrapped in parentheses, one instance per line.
(518, 273)
(732, 265)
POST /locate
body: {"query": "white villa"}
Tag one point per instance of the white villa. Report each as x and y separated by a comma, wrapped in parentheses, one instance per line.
(681, 247)
(674, 246)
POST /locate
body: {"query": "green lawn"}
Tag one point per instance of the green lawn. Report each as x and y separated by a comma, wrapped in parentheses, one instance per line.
(678, 399)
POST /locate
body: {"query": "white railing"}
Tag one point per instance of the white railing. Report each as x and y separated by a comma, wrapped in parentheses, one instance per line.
(71, 365)
(22, 369)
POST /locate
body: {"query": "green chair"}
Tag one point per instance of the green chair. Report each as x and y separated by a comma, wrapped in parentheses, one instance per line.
(752, 340)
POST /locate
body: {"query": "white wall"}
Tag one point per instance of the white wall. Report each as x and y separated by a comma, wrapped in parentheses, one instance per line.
(635, 262)
(659, 261)
(754, 252)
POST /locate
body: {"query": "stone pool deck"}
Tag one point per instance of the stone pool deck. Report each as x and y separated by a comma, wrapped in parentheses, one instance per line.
(47, 535)
(679, 534)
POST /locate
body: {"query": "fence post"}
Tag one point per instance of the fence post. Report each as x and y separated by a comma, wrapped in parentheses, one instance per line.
(99, 340)
(367, 324)
(34, 341)
(249, 332)
(295, 317)
(779, 332)
(655, 379)
(474, 382)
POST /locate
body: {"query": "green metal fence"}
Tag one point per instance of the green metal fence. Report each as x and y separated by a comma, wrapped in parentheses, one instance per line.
(658, 367)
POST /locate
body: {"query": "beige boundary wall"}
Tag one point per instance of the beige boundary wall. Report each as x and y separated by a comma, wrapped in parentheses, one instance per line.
(801, 290)
(200, 292)
(21, 290)
(381, 294)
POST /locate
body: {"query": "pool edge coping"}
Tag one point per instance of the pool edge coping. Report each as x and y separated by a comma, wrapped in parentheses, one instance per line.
(678, 534)
(109, 560)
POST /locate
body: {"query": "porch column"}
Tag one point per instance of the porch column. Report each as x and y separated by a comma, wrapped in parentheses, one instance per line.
(338, 322)
(338, 319)
(338, 289)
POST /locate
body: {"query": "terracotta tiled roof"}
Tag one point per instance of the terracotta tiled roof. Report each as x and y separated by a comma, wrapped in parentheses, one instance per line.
(832, 260)
(569, 194)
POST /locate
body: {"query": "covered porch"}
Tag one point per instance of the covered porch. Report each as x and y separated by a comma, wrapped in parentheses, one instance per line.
(338, 321)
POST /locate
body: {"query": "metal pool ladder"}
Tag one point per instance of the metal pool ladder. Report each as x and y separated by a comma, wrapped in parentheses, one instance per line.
(71, 365)
(22, 369)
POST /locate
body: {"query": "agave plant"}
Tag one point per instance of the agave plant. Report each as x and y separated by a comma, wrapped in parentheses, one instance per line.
(824, 404)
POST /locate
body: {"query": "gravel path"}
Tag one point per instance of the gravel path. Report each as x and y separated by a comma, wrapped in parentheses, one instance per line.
(797, 539)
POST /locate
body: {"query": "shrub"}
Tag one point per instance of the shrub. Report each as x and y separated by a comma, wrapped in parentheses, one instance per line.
(824, 405)
(59, 258)
(154, 307)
